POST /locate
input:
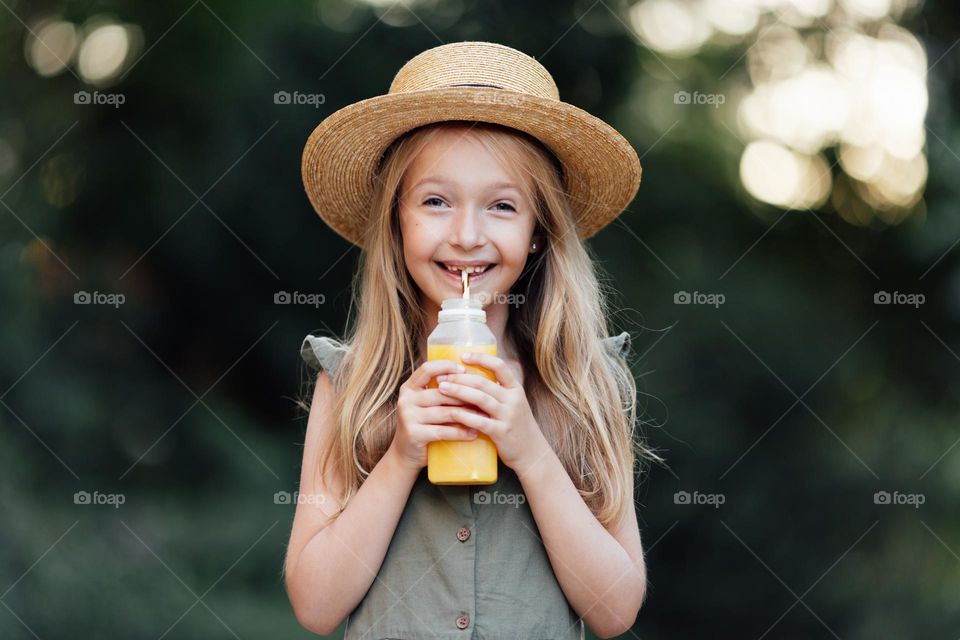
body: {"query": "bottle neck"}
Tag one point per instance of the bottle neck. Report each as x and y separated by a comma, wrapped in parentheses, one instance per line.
(458, 309)
(461, 317)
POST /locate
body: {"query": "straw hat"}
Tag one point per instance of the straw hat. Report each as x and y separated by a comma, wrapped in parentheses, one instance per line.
(472, 81)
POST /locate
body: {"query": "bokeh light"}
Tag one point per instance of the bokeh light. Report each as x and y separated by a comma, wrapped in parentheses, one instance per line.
(773, 173)
(673, 28)
(823, 75)
(104, 50)
(100, 49)
(53, 47)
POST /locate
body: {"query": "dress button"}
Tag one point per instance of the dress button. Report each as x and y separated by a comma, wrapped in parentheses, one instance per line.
(463, 534)
(463, 621)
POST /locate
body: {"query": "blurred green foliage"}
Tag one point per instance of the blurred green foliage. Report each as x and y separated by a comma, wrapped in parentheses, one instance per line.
(797, 399)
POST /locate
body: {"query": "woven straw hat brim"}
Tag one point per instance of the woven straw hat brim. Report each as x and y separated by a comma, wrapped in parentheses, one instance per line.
(601, 169)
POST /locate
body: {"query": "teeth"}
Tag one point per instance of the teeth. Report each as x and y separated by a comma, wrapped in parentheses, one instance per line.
(458, 268)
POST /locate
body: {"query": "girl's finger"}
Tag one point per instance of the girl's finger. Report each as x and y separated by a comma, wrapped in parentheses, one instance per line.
(431, 368)
(437, 415)
(497, 365)
(476, 381)
(473, 396)
(433, 397)
(473, 420)
(442, 432)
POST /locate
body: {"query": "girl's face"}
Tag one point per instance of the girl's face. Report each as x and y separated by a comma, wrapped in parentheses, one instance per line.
(458, 208)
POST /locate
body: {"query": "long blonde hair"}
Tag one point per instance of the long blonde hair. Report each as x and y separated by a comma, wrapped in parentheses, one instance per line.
(583, 397)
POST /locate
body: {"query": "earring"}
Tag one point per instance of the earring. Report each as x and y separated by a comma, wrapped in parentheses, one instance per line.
(533, 246)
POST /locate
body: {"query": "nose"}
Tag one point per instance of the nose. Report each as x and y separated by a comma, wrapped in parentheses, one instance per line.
(467, 229)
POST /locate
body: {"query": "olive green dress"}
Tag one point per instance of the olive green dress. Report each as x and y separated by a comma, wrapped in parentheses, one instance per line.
(465, 561)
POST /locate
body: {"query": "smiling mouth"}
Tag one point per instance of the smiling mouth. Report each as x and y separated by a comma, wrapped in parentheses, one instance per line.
(453, 270)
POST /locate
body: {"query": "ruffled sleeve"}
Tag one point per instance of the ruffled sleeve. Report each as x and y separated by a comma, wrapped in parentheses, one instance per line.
(323, 353)
(619, 345)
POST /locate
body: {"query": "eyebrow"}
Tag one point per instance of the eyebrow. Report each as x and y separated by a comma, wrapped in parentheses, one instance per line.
(445, 182)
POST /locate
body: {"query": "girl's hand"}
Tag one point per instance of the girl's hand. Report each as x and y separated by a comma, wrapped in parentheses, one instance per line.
(508, 421)
(425, 415)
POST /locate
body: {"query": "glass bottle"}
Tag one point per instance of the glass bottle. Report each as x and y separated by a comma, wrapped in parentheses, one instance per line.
(462, 327)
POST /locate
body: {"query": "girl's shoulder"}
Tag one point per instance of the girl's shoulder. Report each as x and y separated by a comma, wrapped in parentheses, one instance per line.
(618, 345)
(323, 353)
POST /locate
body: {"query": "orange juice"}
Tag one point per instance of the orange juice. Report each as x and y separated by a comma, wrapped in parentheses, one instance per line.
(462, 328)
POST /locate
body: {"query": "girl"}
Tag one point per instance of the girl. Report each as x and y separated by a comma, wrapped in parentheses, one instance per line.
(471, 160)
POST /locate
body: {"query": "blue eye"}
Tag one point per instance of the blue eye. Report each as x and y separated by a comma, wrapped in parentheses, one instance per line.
(433, 202)
(509, 207)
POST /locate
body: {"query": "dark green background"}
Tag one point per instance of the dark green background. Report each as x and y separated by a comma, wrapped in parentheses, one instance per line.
(86, 390)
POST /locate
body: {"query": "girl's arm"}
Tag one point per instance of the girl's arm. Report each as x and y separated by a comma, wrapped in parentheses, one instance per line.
(329, 568)
(602, 573)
